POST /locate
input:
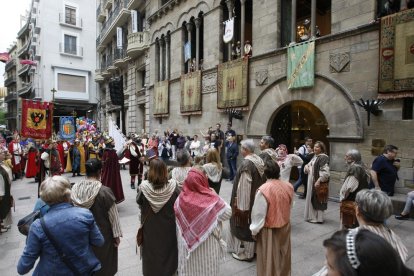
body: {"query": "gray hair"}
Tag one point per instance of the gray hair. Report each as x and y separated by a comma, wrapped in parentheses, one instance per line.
(375, 206)
(269, 141)
(248, 145)
(183, 157)
(355, 155)
(55, 189)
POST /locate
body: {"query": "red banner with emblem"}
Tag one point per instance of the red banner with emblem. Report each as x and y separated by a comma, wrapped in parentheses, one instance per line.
(37, 119)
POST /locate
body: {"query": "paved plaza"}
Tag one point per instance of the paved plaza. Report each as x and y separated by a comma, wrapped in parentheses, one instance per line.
(307, 249)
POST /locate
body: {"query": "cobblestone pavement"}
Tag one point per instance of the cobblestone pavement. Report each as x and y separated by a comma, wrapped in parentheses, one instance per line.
(307, 249)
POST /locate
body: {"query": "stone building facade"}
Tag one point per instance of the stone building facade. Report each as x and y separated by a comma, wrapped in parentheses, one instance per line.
(346, 70)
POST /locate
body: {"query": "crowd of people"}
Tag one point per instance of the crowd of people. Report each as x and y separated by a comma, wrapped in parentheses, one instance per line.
(182, 213)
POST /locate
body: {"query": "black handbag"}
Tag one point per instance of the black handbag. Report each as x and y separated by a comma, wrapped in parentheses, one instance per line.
(24, 224)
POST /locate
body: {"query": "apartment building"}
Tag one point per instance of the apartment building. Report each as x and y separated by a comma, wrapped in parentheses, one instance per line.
(55, 59)
(10, 82)
(122, 45)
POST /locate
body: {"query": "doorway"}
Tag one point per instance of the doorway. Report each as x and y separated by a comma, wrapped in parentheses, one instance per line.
(296, 120)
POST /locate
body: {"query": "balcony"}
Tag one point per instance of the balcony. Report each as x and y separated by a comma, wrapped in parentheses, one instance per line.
(110, 64)
(9, 81)
(105, 73)
(25, 91)
(10, 64)
(24, 49)
(116, 18)
(70, 22)
(67, 50)
(136, 4)
(25, 30)
(23, 70)
(120, 57)
(137, 43)
(98, 75)
(107, 4)
(12, 96)
(11, 115)
(100, 14)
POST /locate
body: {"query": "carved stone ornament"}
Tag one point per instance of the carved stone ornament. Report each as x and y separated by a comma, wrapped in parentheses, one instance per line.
(261, 77)
(209, 83)
(339, 62)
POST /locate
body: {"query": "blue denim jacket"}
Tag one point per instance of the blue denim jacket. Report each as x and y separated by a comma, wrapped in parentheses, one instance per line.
(75, 230)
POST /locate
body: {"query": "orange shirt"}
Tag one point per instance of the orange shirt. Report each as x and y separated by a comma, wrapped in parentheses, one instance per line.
(279, 196)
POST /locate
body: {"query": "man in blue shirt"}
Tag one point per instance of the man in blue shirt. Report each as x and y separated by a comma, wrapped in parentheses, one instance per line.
(384, 170)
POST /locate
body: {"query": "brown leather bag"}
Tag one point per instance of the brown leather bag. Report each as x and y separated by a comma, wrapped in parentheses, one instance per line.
(322, 192)
(140, 233)
(348, 213)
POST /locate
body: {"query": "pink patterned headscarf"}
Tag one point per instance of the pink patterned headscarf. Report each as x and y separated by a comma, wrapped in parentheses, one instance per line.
(197, 209)
(282, 153)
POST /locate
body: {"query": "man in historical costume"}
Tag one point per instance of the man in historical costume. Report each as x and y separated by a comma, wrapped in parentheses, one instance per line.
(24, 143)
(356, 179)
(52, 159)
(92, 148)
(271, 224)
(136, 167)
(111, 174)
(267, 150)
(82, 151)
(250, 176)
(75, 158)
(5, 196)
(384, 170)
(16, 151)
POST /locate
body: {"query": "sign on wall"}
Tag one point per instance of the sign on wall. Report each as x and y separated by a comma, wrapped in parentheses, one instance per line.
(161, 98)
(191, 92)
(232, 84)
(301, 65)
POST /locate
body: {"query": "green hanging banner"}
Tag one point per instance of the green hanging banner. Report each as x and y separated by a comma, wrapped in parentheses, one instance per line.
(301, 65)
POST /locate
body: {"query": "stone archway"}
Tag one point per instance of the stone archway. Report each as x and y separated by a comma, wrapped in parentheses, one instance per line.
(331, 98)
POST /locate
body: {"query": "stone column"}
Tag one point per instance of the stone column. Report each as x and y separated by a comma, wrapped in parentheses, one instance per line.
(197, 22)
(162, 58)
(158, 58)
(167, 56)
(313, 18)
(243, 23)
(189, 26)
(293, 22)
(230, 6)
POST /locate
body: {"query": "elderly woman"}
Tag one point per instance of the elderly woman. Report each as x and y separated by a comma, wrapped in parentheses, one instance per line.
(6, 176)
(286, 162)
(318, 171)
(100, 200)
(373, 208)
(356, 179)
(213, 169)
(156, 197)
(199, 214)
(180, 173)
(361, 252)
(73, 229)
(271, 223)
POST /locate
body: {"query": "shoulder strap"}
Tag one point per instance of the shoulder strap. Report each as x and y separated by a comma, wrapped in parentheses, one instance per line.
(62, 255)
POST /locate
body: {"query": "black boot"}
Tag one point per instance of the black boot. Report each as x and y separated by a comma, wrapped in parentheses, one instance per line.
(132, 185)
